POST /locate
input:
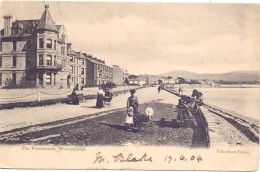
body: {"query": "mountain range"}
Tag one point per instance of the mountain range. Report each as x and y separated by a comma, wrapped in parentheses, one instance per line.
(230, 76)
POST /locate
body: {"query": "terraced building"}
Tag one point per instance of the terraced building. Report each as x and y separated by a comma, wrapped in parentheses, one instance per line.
(33, 53)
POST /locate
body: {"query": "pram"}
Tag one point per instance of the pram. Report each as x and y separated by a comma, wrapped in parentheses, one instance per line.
(107, 100)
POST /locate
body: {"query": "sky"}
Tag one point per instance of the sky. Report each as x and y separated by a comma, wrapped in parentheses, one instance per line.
(155, 38)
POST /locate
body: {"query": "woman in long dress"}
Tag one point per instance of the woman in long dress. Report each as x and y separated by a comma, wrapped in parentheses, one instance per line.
(100, 96)
(132, 109)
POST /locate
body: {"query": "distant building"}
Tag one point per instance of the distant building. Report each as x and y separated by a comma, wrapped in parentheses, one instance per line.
(120, 76)
(152, 79)
(98, 72)
(80, 68)
(34, 53)
(137, 81)
(73, 65)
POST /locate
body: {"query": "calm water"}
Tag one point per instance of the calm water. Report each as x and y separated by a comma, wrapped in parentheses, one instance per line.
(245, 101)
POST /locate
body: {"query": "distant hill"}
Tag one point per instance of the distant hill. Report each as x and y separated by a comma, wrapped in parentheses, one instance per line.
(180, 73)
(230, 76)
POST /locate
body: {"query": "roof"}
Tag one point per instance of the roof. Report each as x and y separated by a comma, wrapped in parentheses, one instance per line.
(24, 25)
(71, 52)
(58, 27)
(94, 61)
(80, 55)
(46, 22)
(18, 24)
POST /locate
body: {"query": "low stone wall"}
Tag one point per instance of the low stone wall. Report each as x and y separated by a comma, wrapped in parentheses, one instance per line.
(64, 99)
(200, 119)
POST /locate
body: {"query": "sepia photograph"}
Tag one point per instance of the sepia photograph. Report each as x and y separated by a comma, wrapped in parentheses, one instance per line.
(129, 85)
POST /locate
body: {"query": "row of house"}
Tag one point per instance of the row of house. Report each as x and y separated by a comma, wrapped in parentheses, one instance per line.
(145, 80)
(37, 53)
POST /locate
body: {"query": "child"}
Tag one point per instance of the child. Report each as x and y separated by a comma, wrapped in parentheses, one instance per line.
(129, 121)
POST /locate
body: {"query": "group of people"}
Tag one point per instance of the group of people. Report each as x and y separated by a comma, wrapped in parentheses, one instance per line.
(197, 96)
(132, 109)
(104, 95)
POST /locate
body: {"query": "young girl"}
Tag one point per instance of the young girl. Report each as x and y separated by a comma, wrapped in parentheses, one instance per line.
(129, 121)
(132, 109)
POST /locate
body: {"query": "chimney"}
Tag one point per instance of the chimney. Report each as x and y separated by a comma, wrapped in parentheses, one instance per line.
(7, 25)
(89, 56)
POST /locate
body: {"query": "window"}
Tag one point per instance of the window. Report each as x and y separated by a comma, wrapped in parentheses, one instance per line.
(48, 78)
(40, 76)
(29, 45)
(14, 78)
(55, 61)
(63, 38)
(82, 71)
(14, 45)
(30, 30)
(0, 79)
(28, 61)
(82, 81)
(63, 63)
(62, 50)
(71, 69)
(15, 30)
(14, 61)
(71, 59)
(48, 60)
(55, 44)
(82, 62)
(49, 43)
(40, 59)
(0, 61)
(41, 43)
(54, 79)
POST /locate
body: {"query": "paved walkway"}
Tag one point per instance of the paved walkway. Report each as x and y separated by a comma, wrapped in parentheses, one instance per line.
(23, 117)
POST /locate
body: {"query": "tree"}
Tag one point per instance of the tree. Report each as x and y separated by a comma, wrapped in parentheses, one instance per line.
(169, 77)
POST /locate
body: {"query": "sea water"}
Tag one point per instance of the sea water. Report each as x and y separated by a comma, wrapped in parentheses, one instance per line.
(245, 101)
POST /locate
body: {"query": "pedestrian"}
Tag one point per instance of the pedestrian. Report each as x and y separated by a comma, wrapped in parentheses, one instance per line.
(133, 101)
(198, 97)
(132, 105)
(180, 90)
(74, 97)
(129, 121)
(100, 96)
(159, 89)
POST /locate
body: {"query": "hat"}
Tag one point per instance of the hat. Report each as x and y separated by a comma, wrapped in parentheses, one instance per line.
(132, 91)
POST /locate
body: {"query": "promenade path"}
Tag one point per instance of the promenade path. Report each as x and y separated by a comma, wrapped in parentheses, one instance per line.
(22, 117)
(83, 124)
(34, 94)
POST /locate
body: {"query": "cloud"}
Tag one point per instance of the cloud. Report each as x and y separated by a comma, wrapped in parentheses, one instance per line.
(155, 38)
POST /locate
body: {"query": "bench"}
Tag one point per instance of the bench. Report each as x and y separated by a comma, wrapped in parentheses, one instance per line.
(80, 98)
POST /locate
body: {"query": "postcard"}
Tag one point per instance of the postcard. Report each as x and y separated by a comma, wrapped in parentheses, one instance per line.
(129, 85)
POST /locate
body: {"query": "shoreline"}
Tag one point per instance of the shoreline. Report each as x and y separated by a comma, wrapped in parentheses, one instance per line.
(245, 130)
(177, 86)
